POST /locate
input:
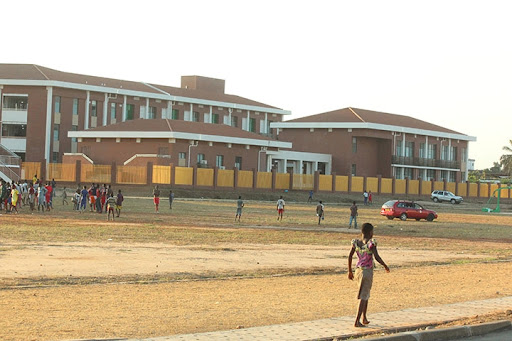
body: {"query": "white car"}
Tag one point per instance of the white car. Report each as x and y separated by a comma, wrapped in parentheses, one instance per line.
(440, 196)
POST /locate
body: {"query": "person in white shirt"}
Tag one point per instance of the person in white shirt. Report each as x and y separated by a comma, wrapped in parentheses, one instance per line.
(280, 208)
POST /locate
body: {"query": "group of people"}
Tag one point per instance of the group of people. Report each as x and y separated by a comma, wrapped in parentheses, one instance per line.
(156, 198)
(100, 198)
(320, 210)
(15, 195)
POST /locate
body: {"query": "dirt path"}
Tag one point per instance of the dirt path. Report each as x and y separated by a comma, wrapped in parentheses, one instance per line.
(134, 310)
(21, 260)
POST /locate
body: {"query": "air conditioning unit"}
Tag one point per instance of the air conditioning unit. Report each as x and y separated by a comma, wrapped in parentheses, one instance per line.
(222, 167)
(112, 96)
(204, 162)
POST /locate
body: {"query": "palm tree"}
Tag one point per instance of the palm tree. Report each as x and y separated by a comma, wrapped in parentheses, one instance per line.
(506, 159)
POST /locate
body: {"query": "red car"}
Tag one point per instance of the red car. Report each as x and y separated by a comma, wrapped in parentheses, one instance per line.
(404, 209)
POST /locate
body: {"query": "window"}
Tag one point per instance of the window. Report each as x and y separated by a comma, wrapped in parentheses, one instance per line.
(163, 151)
(215, 118)
(252, 125)
(408, 173)
(130, 111)
(219, 161)
(354, 145)
(15, 102)
(431, 174)
(195, 116)
(14, 130)
(445, 152)
(201, 161)
(152, 113)
(238, 162)
(422, 151)
(113, 111)
(56, 128)
(94, 109)
(409, 149)
(55, 157)
(57, 104)
(234, 121)
(182, 155)
(75, 106)
(444, 175)
(463, 154)
(453, 155)
(353, 170)
(269, 130)
(74, 128)
(431, 151)
(451, 176)
(175, 114)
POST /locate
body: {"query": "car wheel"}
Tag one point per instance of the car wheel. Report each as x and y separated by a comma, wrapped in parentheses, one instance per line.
(390, 217)
(430, 217)
(453, 201)
(436, 200)
(417, 219)
(403, 216)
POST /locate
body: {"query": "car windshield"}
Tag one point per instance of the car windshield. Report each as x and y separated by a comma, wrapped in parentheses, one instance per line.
(450, 194)
(418, 207)
(389, 204)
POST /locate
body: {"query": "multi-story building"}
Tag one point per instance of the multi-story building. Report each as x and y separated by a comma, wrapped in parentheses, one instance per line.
(40, 106)
(52, 116)
(369, 143)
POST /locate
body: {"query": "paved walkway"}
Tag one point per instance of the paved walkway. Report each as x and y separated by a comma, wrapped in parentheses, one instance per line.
(343, 326)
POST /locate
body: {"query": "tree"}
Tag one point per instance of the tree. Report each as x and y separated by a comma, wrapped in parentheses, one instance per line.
(506, 159)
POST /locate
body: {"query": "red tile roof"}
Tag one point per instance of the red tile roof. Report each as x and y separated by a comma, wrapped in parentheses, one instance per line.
(35, 72)
(354, 115)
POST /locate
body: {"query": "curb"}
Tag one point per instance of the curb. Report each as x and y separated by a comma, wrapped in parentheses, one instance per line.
(447, 333)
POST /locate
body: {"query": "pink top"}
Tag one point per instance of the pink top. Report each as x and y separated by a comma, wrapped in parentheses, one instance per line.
(364, 252)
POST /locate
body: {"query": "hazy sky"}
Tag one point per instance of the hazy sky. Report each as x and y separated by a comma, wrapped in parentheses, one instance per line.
(445, 62)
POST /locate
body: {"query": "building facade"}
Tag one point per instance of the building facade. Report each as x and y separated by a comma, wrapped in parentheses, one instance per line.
(369, 143)
(39, 106)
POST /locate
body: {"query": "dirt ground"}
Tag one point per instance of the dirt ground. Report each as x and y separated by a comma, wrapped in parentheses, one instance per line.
(148, 309)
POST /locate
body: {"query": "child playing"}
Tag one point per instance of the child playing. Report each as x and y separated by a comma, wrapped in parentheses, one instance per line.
(320, 211)
(365, 250)
(119, 203)
(280, 208)
(111, 203)
(239, 206)
(64, 197)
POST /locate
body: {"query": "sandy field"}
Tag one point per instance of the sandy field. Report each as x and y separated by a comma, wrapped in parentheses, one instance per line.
(130, 306)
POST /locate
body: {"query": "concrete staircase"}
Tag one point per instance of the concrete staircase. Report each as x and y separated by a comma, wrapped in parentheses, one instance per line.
(10, 165)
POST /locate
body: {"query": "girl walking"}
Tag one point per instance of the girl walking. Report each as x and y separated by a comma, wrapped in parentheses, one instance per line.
(365, 250)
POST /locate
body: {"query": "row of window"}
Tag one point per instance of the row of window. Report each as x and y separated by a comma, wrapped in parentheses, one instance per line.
(424, 174)
(448, 153)
(219, 160)
(249, 124)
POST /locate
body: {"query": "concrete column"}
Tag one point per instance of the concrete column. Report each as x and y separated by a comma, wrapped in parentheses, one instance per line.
(266, 129)
(149, 173)
(235, 178)
(316, 181)
(87, 107)
(105, 109)
(254, 179)
(123, 118)
(78, 172)
(49, 130)
(113, 173)
(274, 177)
